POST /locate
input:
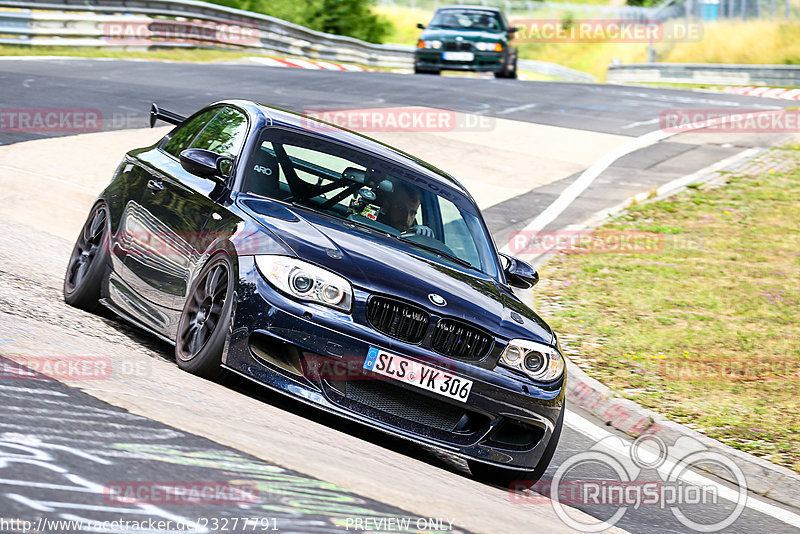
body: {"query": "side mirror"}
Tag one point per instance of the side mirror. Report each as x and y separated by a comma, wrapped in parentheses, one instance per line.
(420, 26)
(519, 273)
(206, 164)
(513, 29)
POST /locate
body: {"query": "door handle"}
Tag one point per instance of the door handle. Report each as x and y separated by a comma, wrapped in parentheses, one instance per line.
(155, 186)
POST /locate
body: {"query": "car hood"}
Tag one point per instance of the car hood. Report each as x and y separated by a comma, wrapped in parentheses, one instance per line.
(378, 263)
(468, 35)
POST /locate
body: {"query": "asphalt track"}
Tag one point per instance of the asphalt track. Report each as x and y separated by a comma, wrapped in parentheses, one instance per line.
(96, 444)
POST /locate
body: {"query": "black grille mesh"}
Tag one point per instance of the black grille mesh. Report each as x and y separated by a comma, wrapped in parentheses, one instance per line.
(457, 45)
(400, 402)
(398, 319)
(461, 341)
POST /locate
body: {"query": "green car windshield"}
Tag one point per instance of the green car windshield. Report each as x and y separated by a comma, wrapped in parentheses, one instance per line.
(466, 19)
(327, 177)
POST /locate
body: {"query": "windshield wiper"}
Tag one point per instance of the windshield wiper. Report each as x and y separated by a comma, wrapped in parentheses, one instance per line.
(438, 252)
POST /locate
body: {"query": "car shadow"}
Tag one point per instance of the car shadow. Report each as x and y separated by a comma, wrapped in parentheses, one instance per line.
(243, 386)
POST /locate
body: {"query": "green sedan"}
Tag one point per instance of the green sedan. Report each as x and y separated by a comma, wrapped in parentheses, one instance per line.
(470, 38)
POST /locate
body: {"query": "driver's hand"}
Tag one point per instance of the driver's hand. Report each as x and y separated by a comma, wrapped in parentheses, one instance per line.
(422, 230)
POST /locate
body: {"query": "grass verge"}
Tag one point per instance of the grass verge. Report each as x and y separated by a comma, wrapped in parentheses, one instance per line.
(757, 41)
(704, 328)
(183, 54)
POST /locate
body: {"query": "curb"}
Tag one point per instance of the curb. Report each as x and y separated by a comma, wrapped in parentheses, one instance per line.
(767, 92)
(763, 477)
(304, 64)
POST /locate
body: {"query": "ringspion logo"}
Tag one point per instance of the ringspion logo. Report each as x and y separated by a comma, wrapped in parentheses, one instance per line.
(627, 484)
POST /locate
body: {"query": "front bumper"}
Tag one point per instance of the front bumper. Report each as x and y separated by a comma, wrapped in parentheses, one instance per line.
(315, 354)
(428, 59)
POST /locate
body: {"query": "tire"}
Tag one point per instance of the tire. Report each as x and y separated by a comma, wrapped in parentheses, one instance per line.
(508, 71)
(88, 263)
(417, 70)
(513, 72)
(504, 477)
(204, 321)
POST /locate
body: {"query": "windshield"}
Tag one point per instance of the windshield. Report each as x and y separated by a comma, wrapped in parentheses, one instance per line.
(348, 184)
(466, 19)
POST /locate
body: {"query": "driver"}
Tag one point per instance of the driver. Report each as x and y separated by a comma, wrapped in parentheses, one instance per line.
(400, 209)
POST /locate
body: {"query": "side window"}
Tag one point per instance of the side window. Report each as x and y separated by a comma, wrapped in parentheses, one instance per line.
(224, 134)
(456, 234)
(181, 139)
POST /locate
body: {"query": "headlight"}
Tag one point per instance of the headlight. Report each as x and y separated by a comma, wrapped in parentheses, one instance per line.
(436, 44)
(537, 360)
(489, 47)
(305, 281)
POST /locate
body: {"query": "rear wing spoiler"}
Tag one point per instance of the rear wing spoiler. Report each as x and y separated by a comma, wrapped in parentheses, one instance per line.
(157, 113)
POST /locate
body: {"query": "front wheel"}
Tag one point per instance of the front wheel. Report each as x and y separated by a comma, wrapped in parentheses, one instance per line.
(504, 477)
(87, 265)
(203, 324)
(508, 71)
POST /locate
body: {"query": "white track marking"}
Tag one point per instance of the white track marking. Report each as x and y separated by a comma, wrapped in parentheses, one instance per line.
(588, 176)
(4, 388)
(640, 123)
(589, 429)
(666, 189)
(516, 108)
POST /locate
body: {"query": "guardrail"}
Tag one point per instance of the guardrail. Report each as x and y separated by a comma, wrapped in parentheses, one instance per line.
(706, 73)
(180, 23)
(555, 70)
(142, 24)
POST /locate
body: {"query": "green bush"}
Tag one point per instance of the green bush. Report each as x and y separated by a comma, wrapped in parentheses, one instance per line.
(342, 17)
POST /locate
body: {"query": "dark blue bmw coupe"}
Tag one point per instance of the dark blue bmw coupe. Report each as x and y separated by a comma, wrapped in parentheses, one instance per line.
(334, 269)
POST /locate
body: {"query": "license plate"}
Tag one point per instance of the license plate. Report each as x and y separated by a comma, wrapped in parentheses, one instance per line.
(458, 56)
(418, 374)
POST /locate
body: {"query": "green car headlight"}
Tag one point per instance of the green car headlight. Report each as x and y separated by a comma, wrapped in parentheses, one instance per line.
(487, 46)
(435, 44)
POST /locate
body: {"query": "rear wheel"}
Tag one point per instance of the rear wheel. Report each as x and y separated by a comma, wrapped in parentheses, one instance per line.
(504, 477)
(203, 324)
(87, 265)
